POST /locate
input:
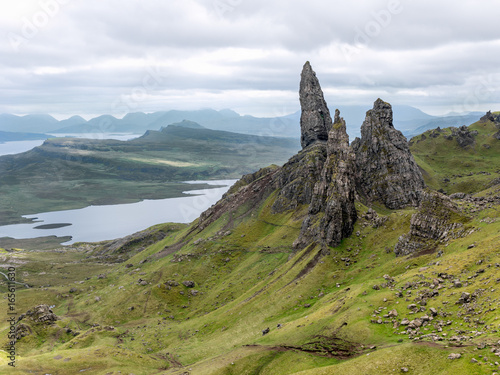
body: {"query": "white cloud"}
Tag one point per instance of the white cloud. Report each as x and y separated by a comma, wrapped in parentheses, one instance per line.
(245, 54)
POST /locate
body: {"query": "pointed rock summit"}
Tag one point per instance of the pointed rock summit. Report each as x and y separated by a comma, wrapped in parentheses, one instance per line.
(319, 185)
(315, 121)
(387, 171)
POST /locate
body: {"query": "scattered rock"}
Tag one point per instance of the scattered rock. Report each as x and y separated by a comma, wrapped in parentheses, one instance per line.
(464, 298)
(392, 313)
(265, 331)
(455, 356)
(188, 284)
(41, 314)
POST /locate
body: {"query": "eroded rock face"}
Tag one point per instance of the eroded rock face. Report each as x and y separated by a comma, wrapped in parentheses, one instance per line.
(386, 169)
(332, 213)
(315, 120)
(297, 178)
(436, 221)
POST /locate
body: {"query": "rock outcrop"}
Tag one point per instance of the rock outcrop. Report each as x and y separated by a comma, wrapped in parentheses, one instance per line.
(464, 136)
(40, 314)
(437, 220)
(332, 213)
(315, 120)
(386, 169)
(493, 117)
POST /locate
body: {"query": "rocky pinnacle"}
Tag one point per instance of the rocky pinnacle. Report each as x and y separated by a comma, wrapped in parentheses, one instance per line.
(332, 205)
(387, 171)
(315, 120)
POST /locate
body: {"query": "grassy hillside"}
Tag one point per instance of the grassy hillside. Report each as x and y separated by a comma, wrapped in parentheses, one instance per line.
(339, 311)
(448, 166)
(73, 173)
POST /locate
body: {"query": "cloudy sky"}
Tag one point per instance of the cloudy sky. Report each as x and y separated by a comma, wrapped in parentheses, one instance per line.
(90, 57)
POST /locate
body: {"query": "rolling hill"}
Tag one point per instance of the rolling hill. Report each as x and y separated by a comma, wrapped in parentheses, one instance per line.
(68, 173)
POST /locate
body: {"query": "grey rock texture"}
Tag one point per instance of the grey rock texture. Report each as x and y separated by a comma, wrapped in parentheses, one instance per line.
(437, 220)
(332, 213)
(297, 178)
(386, 169)
(315, 120)
(40, 314)
(493, 117)
(464, 136)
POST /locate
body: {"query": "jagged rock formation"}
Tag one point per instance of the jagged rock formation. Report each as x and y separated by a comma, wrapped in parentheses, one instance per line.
(386, 169)
(315, 120)
(464, 136)
(438, 219)
(494, 118)
(321, 181)
(332, 213)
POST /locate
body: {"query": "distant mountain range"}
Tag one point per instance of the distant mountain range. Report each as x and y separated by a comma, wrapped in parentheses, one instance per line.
(410, 120)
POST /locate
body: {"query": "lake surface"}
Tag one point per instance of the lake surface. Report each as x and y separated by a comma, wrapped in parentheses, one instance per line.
(99, 223)
(10, 148)
(16, 147)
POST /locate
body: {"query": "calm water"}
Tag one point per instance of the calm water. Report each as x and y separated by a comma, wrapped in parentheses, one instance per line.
(99, 223)
(10, 148)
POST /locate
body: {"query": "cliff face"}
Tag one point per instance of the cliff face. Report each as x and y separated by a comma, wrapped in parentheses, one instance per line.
(386, 169)
(332, 213)
(315, 120)
(437, 220)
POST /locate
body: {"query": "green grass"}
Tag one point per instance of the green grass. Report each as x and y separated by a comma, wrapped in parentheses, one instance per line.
(321, 309)
(454, 169)
(245, 285)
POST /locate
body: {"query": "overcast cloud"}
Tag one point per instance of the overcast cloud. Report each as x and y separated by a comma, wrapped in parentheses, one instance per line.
(66, 57)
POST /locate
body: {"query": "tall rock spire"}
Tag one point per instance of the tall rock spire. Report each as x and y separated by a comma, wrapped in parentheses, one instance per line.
(332, 205)
(315, 120)
(387, 171)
